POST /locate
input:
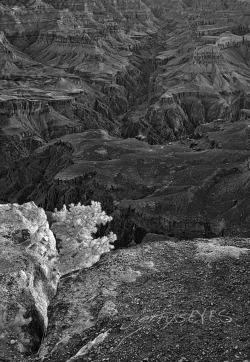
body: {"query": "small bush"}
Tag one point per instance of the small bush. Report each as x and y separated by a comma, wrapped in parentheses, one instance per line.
(75, 228)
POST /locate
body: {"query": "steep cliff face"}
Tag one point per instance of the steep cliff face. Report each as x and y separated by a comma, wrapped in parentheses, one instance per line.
(29, 278)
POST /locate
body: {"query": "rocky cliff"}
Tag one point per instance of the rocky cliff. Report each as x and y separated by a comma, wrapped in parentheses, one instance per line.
(198, 297)
(29, 278)
(89, 90)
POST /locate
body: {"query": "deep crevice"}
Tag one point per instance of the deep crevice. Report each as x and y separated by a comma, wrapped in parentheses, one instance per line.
(35, 329)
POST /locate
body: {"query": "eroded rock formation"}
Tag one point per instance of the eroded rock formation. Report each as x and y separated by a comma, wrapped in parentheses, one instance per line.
(29, 278)
(181, 189)
(71, 67)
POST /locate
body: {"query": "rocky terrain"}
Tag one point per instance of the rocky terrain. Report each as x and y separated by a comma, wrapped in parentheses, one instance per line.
(29, 278)
(198, 308)
(141, 105)
(163, 98)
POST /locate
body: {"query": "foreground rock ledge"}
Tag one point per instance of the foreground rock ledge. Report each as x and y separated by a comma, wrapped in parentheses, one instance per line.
(28, 278)
(157, 301)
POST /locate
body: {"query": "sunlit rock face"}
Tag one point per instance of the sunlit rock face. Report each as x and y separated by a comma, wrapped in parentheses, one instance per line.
(28, 278)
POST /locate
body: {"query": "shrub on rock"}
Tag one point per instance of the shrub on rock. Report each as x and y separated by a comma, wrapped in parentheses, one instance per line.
(74, 227)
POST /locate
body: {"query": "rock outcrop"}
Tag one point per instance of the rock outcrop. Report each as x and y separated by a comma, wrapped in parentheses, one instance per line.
(198, 309)
(198, 291)
(29, 279)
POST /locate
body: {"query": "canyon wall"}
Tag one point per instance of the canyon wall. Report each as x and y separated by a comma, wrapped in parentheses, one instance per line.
(138, 76)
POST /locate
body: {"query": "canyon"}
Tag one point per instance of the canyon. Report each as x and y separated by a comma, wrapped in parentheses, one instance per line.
(150, 92)
(143, 106)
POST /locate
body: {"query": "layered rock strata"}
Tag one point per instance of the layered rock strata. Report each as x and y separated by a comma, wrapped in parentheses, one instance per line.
(113, 66)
